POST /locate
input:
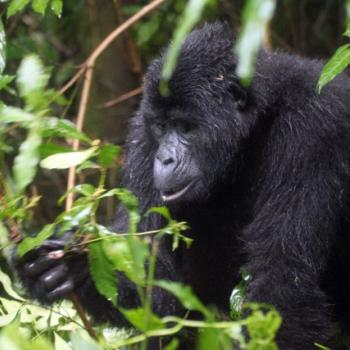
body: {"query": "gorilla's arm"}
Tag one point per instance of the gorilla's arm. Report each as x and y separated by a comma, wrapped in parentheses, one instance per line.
(291, 234)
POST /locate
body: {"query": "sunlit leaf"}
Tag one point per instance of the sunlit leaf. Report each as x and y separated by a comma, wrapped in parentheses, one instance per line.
(173, 345)
(56, 6)
(67, 159)
(15, 115)
(102, 272)
(63, 128)
(191, 16)
(143, 319)
(26, 162)
(30, 243)
(8, 311)
(2, 47)
(61, 344)
(40, 5)
(5, 80)
(16, 6)
(82, 343)
(338, 62)
(31, 76)
(185, 295)
(7, 285)
(256, 14)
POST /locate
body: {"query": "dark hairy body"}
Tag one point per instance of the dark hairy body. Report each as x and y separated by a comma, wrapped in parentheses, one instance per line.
(262, 176)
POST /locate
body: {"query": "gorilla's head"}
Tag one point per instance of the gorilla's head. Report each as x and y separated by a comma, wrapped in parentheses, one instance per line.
(198, 127)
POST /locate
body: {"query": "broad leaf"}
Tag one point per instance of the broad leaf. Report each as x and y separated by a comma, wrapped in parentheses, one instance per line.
(107, 155)
(40, 5)
(26, 162)
(30, 243)
(185, 295)
(143, 320)
(338, 62)
(102, 272)
(67, 159)
(31, 76)
(7, 285)
(56, 6)
(81, 343)
(16, 6)
(16, 115)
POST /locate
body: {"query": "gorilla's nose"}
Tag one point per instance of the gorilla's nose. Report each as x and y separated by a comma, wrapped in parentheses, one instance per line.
(164, 169)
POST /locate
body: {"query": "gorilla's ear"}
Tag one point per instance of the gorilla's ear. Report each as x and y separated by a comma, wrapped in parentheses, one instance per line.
(239, 93)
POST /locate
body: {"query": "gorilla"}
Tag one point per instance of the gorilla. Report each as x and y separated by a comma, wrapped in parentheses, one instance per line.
(261, 175)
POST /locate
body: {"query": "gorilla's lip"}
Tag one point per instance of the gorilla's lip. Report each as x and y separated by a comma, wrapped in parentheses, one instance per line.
(173, 195)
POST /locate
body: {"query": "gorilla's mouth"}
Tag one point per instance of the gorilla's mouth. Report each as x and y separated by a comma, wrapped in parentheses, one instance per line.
(172, 195)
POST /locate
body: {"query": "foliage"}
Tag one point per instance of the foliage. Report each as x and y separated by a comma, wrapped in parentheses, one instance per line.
(35, 137)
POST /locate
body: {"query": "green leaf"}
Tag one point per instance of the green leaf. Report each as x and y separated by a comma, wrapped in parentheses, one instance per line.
(185, 295)
(5, 80)
(25, 164)
(40, 6)
(2, 47)
(60, 344)
(164, 211)
(256, 14)
(31, 76)
(63, 128)
(191, 16)
(142, 319)
(338, 62)
(128, 258)
(9, 311)
(56, 6)
(102, 272)
(347, 31)
(7, 284)
(173, 345)
(209, 339)
(107, 155)
(67, 159)
(16, 115)
(30, 243)
(131, 203)
(80, 343)
(16, 6)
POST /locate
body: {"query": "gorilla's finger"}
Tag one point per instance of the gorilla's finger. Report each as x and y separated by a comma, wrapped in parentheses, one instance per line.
(53, 277)
(62, 291)
(38, 266)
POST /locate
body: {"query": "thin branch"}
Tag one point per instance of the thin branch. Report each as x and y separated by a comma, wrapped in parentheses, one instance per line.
(79, 124)
(122, 98)
(87, 69)
(109, 39)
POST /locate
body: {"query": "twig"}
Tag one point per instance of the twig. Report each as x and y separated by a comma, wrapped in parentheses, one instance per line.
(79, 124)
(109, 39)
(87, 68)
(122, 98)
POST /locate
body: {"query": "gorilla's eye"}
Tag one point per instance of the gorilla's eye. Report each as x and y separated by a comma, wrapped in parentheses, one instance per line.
(183, 126)
(158, 128)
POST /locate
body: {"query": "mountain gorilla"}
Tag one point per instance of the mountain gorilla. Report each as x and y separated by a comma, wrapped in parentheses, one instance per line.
(261, 174)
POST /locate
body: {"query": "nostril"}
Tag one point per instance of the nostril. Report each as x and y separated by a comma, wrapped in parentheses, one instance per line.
(168, 161)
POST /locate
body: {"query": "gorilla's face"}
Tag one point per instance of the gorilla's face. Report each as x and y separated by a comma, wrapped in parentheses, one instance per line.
(196, 130)
(194, 147)
(176, 169)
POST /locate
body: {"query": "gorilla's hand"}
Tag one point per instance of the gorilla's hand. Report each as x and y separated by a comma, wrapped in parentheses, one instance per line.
(49, 273)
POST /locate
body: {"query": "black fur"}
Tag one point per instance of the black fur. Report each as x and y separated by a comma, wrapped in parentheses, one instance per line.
(273, 192)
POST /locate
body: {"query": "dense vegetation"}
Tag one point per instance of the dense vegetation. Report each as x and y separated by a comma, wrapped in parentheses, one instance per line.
(48, 97)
